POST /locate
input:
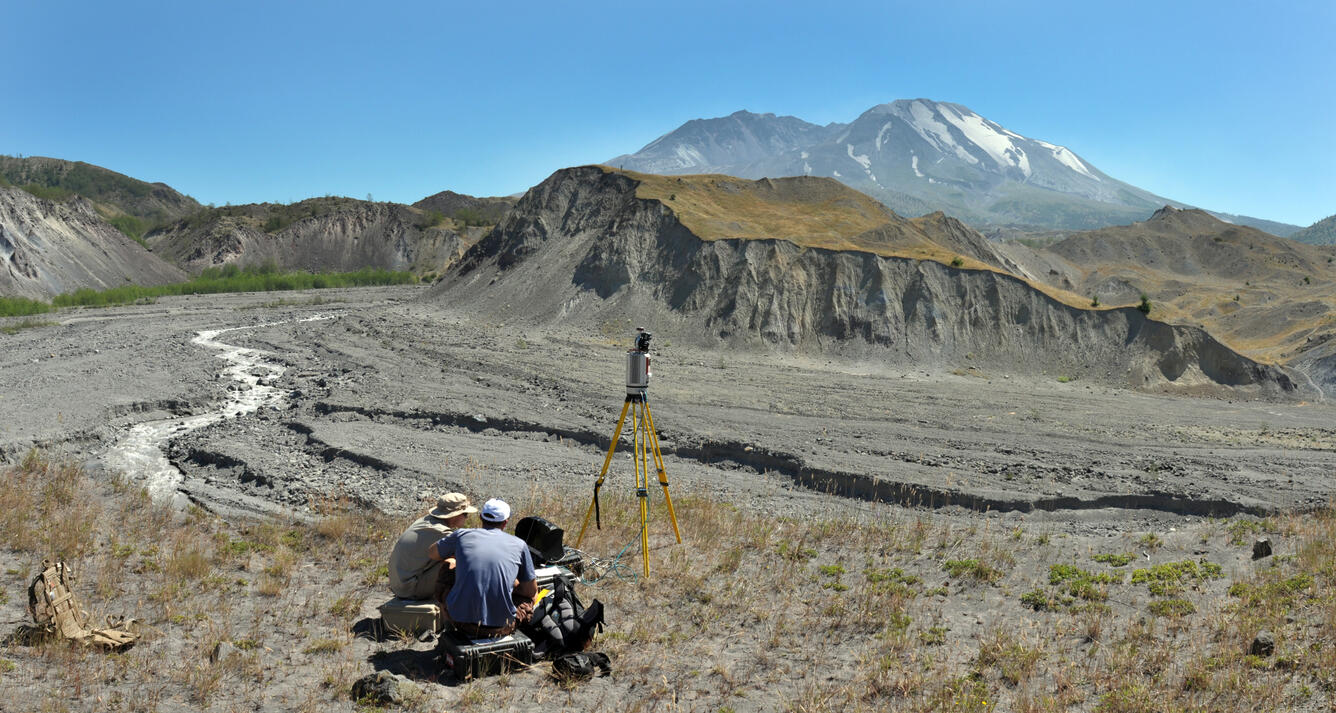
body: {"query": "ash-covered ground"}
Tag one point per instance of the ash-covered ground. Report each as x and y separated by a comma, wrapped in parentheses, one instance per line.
(382, 398)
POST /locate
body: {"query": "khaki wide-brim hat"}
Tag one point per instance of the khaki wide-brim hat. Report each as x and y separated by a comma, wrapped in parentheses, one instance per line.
(452, 504)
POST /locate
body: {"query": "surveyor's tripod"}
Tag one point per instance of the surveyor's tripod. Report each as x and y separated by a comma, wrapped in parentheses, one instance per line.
(646, 441)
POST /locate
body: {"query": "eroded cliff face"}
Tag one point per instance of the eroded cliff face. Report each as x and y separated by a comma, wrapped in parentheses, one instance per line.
(49, 248)
(346, 237)
(581, 248)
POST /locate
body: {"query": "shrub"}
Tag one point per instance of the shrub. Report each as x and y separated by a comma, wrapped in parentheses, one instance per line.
(21, 307)
(1168, 578)
(1172, 607)
(1039, 600)
(971, 568)
(1116, 560)
(1145, 304)
(132, 227)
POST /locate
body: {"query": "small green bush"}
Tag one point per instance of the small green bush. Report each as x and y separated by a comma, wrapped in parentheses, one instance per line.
(1172, 607)
(1039, 600)
(1145, 304)
(1116, 560)
(971, 568)
(1167, 579)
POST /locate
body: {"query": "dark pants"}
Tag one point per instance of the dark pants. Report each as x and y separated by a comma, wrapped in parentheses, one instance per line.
(477, 631)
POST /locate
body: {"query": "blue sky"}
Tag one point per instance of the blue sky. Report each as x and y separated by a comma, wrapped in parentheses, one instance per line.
(1226, 105)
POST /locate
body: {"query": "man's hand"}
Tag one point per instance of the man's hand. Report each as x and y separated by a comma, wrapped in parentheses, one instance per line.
(526, 591)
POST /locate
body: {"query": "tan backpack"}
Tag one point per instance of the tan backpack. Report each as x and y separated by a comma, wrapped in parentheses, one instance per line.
(53, 607)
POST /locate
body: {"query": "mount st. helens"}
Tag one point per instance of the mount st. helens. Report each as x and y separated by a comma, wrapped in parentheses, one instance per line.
(807, 263)
(917, 156)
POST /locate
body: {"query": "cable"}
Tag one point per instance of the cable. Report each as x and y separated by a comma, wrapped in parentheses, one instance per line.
(602, 568)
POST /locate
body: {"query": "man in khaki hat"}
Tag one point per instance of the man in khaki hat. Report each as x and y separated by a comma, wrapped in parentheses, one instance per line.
(413, 573)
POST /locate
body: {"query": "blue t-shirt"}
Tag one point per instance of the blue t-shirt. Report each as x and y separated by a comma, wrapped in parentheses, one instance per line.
(487, 563)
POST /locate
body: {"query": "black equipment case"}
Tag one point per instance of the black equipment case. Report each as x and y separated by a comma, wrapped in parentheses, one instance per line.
(474, 658)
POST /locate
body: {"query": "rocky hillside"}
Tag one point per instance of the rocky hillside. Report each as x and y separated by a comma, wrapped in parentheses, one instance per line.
(1322, 232)
(50, 247)
(467, 210)
(591, 245)
(319, 235)
(132, 205)
(1270, 298)
(916, 156)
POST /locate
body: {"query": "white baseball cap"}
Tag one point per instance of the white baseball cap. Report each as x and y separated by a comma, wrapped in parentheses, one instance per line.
(495, 510)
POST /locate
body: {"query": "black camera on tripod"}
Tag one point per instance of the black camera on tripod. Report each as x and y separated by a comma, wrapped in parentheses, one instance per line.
(637, 365)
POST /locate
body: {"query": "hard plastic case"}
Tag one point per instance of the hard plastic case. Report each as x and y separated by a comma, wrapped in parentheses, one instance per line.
(411, 616)
(475, 658)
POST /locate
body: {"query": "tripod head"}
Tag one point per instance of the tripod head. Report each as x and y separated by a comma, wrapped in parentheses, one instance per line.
(637, 364)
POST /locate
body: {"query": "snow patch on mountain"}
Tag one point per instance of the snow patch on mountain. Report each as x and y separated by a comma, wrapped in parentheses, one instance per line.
(1067, 158)
(923, 120)
(913, 163)
(881, 134)
(862, 159)
(979, 131)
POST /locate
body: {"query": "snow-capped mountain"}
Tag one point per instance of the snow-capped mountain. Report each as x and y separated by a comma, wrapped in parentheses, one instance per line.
(916, 156)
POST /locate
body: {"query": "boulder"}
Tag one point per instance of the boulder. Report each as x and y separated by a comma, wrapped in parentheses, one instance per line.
(382, 688)
(1264, 644)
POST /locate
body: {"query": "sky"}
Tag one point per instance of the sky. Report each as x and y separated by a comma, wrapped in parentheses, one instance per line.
(1225, 105)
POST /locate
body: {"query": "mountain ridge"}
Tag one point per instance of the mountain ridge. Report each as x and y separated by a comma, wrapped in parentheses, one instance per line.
(917, 156)
(583, 247)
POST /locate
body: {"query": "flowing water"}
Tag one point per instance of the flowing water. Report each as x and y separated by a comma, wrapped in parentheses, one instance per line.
(139, 454)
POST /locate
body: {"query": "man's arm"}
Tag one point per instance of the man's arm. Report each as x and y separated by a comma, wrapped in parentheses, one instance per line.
(443, 549)
(527, 590)
(526, 586)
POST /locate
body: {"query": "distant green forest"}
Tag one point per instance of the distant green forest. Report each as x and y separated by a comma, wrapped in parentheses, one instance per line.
(212, 281)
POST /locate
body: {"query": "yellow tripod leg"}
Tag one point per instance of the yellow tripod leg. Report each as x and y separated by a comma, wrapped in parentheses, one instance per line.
(663, 476)
(616, 435)
(642, 481)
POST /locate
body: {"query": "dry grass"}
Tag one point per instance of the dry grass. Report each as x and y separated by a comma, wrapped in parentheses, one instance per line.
(808, 212)
(820, 613)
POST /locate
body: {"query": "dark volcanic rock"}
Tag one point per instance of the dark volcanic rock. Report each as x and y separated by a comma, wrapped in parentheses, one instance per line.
(1264, 644)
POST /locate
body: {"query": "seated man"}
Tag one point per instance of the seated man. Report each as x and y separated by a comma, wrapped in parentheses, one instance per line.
(413, 572)
(493, 570)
